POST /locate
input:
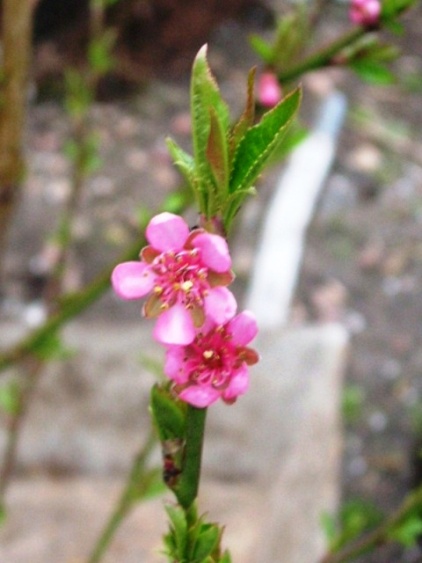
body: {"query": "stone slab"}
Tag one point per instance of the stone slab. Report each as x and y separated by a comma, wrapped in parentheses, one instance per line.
(271, 461)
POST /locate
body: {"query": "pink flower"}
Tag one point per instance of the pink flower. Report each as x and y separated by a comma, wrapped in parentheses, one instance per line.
(269, 90)
(185, 273)
(365, 12)
(215, 364)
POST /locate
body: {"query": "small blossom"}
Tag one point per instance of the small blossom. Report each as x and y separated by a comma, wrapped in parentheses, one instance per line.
(215, 364)
(185, 274)
(269, 90)
(365, 12)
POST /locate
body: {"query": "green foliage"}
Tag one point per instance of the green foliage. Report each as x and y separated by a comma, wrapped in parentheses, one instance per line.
(3, 514)
(10, 397)
(227, 160)
(84, 153)
(51, 347)
(369, 58)
(148, 485)
(291, 35)
(391, 9)
(99, 52)
(355, 517)
(409, 530)
(192, 540)
(169, 414)
(79, 96)
(352, 403)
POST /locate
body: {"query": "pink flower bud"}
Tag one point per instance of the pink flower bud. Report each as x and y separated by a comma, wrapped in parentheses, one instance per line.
(269, 90)
(365, 12)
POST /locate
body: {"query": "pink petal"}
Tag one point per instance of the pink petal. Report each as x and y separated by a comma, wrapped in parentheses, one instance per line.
(167, 232)
(243, 328)
(200, 396)
(132, 280)
(214, 251)
(239, 384)
(174, 366)
(220, 305)
(174, 326)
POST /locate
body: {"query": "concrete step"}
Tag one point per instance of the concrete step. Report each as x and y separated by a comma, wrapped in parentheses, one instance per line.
(271, 461)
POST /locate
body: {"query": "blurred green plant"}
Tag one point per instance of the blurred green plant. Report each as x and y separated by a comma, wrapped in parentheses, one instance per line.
(355, 517)
(352, 403)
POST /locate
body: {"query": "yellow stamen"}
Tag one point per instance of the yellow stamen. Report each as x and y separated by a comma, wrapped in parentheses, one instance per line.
(158, 290)
(187, 286)
(208, 354)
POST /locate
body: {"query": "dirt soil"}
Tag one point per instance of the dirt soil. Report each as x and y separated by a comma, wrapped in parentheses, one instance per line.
(363, 263)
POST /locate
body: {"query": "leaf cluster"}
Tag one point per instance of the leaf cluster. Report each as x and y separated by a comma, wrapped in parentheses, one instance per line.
(227, 159)
(191, 539)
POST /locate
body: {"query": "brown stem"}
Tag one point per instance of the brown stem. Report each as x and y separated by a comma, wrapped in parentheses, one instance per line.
(16, 44)
(32, 374)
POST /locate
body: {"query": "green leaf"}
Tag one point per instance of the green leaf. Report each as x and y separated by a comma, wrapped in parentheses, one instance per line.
(258, 143)
(168, 413)
(206, 541)
(178, 529)
(217, 154)
(205, 96)
(10, 397)
(247, 118)
(393, 8)
(262, 48)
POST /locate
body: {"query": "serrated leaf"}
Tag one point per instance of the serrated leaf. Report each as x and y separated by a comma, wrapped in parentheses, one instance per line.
(204, 96)
(246, 120)
(217, 153)
(169, 415)
(258, 143)
(206, 542)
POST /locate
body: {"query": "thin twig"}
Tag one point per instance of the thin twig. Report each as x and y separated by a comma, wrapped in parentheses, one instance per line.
(381, 535)
(135, 488)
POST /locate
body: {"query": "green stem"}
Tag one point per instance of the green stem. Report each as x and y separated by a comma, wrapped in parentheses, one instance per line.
(187, 487)
(134, 489)
(323, 57)
(381, 535)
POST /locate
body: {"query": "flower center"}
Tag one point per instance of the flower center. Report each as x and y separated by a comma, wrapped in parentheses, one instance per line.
(213, 359)
(180, 277)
